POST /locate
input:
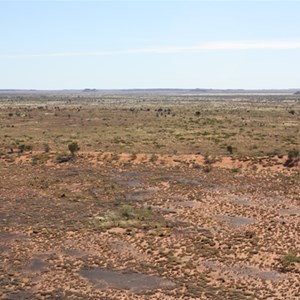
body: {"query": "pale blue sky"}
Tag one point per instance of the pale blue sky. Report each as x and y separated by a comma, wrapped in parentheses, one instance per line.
(149, 44)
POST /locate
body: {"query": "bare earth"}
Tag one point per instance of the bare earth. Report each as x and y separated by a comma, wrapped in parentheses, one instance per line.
(116, 224)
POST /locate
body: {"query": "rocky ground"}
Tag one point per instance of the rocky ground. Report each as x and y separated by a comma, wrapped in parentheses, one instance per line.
(146, 228)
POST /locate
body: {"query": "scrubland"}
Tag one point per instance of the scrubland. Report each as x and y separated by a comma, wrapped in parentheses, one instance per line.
(149, 196)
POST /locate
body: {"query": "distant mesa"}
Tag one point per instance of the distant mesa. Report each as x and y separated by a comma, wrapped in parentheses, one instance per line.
(89, 90)
(297, 93)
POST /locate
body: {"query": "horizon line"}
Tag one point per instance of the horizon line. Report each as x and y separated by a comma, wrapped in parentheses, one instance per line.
(152, 88)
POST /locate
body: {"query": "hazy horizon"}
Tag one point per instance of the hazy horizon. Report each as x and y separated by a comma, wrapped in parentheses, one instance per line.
(203, 90)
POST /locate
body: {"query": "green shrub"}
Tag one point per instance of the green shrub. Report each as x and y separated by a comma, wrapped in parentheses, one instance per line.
(24, 147)
(126, 211)
(293, 154)
(289, 261)
(73, 148)
(293, 158)
(290, 258)
(229, 149)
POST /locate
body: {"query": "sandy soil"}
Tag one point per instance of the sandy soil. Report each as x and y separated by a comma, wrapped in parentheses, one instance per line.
(144, 227)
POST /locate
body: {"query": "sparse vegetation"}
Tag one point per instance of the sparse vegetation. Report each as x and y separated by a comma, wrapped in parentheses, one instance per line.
(207, 168)
(132, 126)
(229, 149)
(293, 158)
(153, 158)
(73, 148)
(40, 158)
(293, 154)
(142, 198)
(289, 262)
(129, 217)
(290, 258)
(46, 148)
(23, 148)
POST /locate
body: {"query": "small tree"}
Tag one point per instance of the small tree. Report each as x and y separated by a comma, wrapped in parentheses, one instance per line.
(73, 148)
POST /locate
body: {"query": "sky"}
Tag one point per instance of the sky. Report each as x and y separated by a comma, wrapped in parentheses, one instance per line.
(149, 44)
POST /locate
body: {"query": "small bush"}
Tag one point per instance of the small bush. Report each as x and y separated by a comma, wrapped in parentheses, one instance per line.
(294, 154)
(290, 258)
(24, 147)
(289, 261)
(293, 158)
(153, 158)
(39, 158)
(207, 168)
(73, 148)
(229, 148)
(292, 112)
(126, 211)
(46, 148)
(129, 217)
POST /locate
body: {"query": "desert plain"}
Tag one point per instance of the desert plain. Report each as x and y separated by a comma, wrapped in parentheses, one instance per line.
(165, 197)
